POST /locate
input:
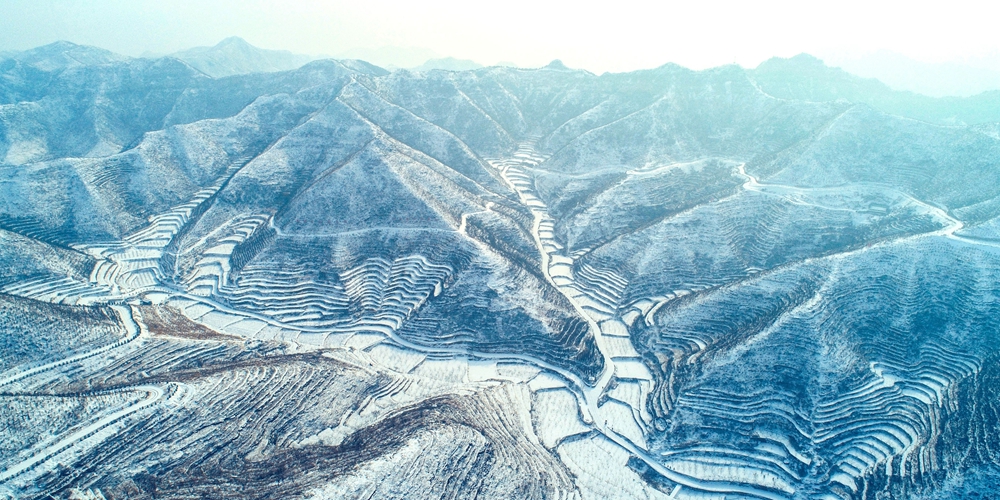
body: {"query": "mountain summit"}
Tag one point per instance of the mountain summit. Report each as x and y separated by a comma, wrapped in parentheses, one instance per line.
(236, 56)
(557, 64)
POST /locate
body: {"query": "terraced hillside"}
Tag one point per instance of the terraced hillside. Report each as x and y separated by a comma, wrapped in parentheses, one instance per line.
(340, 282)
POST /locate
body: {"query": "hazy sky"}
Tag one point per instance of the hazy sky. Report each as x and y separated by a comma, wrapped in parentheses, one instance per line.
(600, 36)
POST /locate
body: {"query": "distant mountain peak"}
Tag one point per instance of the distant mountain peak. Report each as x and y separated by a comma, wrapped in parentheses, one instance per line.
(63, 54)
(233, 40)
(966, 77)
(807, 78)
(448, 64)
(806, 58)
(57, 45)
(557, 64)
(236, 56)
(801, 61)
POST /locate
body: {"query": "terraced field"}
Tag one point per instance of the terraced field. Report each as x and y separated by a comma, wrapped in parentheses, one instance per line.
(500, 283)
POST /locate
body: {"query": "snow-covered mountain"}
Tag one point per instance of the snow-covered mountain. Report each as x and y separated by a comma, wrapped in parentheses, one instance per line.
(805, 77)
(234, 56)
(61, 55)
(448, 64)
(957, 78)
(338, 282)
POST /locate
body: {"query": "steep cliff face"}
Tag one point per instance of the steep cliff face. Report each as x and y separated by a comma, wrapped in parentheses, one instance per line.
(337, 281)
